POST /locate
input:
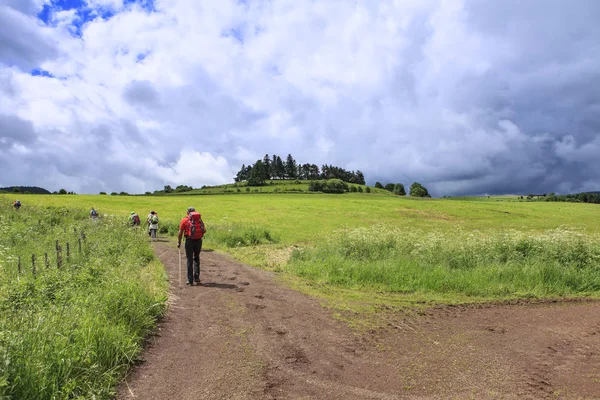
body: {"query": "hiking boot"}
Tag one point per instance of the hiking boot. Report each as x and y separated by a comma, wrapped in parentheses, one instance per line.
(197, 280)
(190, 283)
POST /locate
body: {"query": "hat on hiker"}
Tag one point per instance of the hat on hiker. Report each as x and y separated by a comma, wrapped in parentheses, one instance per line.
(190, 209)
(133, 212)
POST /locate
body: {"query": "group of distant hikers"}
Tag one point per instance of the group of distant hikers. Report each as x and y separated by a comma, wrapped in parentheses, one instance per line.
(191, 227)
(151, 222)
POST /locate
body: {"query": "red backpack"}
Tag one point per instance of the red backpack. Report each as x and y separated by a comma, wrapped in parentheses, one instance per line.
(195, 226)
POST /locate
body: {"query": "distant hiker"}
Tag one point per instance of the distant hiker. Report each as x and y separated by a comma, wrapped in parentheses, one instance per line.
(149, 219)
(134, 219)
(17, 204)
(153, 224)
(192, 227)
(93, 214)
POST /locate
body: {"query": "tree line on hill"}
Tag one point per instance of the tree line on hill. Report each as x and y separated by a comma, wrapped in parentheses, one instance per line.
(584, 197)
(275, 168)
(24, 190)
(416, 189)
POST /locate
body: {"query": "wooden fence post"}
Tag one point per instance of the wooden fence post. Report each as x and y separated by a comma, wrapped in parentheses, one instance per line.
(33, 264)
(79, 242)
(19, 265)
(68, 250)
(46, 260)
(58, 256)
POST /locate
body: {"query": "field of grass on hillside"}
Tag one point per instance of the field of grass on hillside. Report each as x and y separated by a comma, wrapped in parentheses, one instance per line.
(274, 186)
(497, 247)
(73, 323)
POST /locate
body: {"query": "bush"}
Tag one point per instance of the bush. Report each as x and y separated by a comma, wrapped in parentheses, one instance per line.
(335, 186)
(316, 186)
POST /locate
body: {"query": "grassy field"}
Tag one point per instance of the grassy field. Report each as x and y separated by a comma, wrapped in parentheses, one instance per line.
(72, 332)
(451, 249)
(272, 186)
(70, 329)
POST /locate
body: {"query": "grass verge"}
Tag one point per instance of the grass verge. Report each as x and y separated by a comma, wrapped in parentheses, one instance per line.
(72, 330)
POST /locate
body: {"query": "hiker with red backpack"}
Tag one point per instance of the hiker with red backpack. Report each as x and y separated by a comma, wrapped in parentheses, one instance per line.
(134, 219)
(192, 227)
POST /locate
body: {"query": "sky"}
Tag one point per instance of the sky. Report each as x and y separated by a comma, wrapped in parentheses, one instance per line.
(473, 97)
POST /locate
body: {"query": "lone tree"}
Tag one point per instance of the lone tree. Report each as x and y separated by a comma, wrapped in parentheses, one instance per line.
(418, 190)
(62, 191)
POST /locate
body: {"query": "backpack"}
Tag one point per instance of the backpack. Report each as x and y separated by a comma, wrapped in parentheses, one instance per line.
(195, 226)
(94, 213)
(17, 203)
(136, 219)
(154, 219)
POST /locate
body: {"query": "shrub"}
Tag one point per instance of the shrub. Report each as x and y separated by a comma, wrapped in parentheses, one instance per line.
(335, 186)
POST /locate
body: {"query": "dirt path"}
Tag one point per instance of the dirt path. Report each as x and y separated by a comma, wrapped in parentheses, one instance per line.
(240, 335)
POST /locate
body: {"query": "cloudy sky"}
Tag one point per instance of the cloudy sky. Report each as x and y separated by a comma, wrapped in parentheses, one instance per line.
(465, 97)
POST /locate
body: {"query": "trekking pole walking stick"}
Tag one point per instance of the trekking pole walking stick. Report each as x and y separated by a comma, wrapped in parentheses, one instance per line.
(179, 268)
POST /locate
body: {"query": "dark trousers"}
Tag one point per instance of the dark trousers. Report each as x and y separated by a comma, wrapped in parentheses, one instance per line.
(192, 253)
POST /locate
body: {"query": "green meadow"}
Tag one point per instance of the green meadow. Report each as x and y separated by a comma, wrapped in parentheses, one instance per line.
(451, 249)
(73, 330)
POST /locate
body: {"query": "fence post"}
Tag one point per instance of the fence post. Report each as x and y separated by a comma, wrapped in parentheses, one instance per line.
(19, 265)
(58, 256)
(33, 264)
(46, 260)
(68, 250)
(79, 242)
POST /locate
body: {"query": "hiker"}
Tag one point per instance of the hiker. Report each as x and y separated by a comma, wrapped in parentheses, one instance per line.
(149, 218)
(17, 204)
(134, 219)
(192, 227)
(153, 225)
(93, 214)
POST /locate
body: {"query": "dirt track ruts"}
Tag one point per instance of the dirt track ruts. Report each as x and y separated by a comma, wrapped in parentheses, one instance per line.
(242, 335)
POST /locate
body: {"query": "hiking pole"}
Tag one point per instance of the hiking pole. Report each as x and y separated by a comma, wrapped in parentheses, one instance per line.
(179, 268)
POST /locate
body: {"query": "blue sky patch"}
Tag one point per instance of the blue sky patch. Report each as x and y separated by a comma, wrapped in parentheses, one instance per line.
(85, 13)
(141, 56)
(235, 33)
(41, 72)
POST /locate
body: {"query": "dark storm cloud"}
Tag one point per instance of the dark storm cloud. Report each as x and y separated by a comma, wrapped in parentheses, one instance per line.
(142, 93)
(21, 40)
(15, 130)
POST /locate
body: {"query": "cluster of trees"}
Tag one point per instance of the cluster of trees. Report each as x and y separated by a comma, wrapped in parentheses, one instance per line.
(24, 189)
(63, 191)
(334, 185)
(275, 168)
(178, 189)
(585, 197)
(416, 189)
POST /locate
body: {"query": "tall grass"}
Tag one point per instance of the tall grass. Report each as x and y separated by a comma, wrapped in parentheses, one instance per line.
(556, 262)
(72, 332)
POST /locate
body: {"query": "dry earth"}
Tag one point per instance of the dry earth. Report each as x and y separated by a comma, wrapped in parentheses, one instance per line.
(241, 335)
